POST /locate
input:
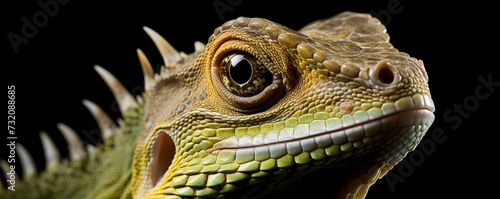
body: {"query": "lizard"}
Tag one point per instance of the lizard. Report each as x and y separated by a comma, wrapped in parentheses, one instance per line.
(259, 111)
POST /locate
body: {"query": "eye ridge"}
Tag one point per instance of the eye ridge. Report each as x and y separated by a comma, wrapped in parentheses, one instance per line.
(244, 75)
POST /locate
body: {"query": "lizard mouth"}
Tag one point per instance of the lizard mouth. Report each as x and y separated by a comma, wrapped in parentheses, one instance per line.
(406, 119)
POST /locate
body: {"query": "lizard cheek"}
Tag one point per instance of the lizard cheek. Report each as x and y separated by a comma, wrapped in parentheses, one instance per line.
(163, 154)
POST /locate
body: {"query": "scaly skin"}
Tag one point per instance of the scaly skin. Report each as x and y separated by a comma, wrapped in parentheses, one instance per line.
(261, 111)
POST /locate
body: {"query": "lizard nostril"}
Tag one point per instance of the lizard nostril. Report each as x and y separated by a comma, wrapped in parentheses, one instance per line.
(385, 75)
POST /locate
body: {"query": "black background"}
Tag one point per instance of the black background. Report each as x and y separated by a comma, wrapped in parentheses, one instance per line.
(54, 71)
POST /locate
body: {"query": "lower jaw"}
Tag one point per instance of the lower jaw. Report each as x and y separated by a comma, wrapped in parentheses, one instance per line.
(401, 133)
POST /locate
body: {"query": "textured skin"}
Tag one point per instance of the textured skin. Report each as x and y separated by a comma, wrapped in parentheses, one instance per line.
(334, 103)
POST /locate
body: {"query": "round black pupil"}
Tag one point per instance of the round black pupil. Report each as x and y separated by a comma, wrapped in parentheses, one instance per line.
(240, 70)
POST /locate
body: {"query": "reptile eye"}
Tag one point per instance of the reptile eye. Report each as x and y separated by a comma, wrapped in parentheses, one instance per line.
(243, 75)
(245, 82)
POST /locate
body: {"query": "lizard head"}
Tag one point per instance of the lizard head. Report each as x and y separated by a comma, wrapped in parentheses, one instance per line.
(262, 105)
